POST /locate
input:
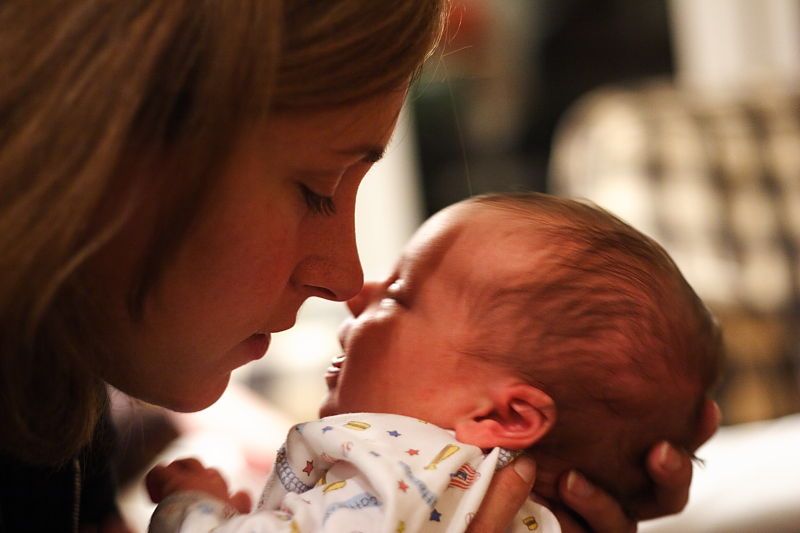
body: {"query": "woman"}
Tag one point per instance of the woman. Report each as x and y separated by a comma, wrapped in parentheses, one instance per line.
(176, 178)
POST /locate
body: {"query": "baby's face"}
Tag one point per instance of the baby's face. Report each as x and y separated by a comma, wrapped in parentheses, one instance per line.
(402, 349)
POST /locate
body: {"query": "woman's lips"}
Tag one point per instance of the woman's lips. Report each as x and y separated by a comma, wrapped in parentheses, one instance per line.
(255, 346)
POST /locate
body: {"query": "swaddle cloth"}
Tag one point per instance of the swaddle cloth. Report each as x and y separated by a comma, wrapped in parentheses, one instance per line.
(363, 473)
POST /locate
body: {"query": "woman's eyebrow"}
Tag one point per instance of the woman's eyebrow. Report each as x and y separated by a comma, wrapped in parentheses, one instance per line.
(370, 153)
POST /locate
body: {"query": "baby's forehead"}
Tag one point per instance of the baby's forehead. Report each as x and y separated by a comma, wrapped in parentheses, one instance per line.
(492, 232)
(467, 223)
(476, 244)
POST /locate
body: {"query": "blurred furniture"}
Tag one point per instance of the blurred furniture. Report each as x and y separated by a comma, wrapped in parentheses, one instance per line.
(717, 182)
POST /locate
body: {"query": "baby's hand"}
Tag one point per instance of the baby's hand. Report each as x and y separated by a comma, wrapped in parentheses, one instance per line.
(190, 474)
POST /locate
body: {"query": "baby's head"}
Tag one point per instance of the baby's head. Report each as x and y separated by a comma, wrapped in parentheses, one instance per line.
(533, 322)
(602, 321)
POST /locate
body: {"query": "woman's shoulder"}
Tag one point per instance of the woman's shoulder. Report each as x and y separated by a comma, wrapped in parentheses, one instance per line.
(24, 489)
(37, 497)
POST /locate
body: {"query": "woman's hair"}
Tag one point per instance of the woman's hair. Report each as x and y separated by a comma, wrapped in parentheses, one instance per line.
(95, 95)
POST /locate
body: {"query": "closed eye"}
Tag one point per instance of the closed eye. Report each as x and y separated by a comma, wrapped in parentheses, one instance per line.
(317, 203)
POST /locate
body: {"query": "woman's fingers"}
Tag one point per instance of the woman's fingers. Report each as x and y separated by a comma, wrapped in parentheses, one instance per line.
(600, 511)
(509, 489)
(671, 469)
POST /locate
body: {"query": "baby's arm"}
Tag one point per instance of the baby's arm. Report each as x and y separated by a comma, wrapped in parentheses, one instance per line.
(190, 475)
(186, 488)
(195, 499)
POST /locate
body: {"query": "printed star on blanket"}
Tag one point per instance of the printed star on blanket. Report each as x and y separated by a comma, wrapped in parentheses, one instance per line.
(402, 485)
(326, 429)
(394, 433)
(412, 451)
(435, 516)
(309, 467)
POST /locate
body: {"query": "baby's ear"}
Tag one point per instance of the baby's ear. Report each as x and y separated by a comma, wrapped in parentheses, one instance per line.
(514, 416)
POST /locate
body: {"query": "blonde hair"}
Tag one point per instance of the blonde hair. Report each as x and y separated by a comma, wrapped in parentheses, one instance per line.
(94, 93)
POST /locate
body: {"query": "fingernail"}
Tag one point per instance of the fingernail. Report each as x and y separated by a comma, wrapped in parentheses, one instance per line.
(525, 468)
(577, 485)
(668, 458)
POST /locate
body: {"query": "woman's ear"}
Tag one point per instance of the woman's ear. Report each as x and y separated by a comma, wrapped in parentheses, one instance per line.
(516, 416)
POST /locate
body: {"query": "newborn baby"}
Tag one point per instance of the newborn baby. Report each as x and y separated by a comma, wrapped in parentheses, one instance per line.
(511, 324)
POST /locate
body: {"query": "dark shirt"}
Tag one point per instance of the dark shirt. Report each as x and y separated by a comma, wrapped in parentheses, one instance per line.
(42, 499)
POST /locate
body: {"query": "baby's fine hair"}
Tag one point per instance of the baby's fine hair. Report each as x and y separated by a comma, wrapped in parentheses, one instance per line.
(604, 322)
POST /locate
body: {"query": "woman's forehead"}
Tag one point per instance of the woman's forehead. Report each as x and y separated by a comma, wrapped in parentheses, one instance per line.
(359, 126)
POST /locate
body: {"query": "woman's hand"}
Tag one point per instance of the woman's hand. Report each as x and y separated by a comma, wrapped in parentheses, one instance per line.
(670, 469)
(191, 475)
(509, 489)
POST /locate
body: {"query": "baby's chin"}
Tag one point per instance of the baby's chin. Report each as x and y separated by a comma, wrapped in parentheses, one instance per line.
(326, 407)
(330, 406)
(325, 411)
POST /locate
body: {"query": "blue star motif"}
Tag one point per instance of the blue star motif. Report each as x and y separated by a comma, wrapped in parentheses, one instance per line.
(204, 508)
(435, 516)
(394, 433)
(326, 429)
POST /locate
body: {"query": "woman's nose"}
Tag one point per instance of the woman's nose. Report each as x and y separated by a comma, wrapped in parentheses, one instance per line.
(335, 280)
(360, 301)
(331, 268)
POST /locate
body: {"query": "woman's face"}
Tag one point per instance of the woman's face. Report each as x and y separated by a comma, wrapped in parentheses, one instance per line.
(265, 242)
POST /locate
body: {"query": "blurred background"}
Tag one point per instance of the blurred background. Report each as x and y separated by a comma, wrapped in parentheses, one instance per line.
(680, 116)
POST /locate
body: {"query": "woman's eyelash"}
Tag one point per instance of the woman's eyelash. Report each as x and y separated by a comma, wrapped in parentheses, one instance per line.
(318, 204)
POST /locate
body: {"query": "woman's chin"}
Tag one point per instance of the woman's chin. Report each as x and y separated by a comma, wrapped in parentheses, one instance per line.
(198, 397)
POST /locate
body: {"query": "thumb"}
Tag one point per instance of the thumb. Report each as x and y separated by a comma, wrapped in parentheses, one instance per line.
(507, 493)
(241, 502)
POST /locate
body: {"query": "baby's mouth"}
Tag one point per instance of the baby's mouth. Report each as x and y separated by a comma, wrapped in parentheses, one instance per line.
(333, 371)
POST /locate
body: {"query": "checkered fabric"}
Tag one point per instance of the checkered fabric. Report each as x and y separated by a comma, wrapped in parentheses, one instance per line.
(717, 182)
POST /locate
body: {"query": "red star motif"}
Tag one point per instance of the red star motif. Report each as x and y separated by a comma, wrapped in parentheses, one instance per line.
(402, 485)
(309, 467)
(412, 451)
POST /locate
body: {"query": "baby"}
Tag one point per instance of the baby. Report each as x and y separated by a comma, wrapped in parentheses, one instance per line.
(511, 322)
